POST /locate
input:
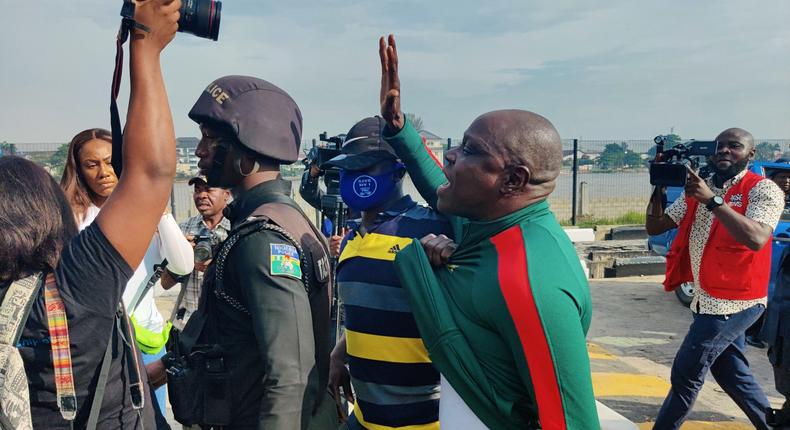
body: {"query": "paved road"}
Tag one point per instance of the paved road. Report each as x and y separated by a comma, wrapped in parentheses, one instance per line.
(635, 333)
(636, 330)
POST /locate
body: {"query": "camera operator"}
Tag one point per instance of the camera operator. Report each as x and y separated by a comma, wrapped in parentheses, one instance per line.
(91, 269)
(725, 223)
(210, 227)
(308, 188)
(311, 193)
(255, 353)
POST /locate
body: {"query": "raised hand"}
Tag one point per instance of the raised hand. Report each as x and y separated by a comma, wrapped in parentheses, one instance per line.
(390, 84)
(697, 188)
(161, 19)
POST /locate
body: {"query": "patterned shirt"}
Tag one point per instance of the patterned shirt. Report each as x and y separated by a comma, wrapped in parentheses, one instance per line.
(395, 383)
(195, 226)
(766, 202)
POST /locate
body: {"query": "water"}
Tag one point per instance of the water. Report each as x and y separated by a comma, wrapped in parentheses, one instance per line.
(609, 195)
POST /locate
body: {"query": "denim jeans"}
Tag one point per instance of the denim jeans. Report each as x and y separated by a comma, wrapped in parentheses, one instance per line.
(161, 392)
(715, 343)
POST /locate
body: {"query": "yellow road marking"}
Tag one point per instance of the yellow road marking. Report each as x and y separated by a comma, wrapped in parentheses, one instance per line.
(598, 353)
(705, 425)
(628, 385)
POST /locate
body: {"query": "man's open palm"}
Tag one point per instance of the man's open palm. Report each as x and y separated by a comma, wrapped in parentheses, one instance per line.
(390, 84)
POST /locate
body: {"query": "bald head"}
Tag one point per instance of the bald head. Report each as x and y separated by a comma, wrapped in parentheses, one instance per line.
(737, 134)
(523, 138)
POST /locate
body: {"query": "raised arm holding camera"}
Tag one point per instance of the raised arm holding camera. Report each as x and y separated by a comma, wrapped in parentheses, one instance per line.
(73, 314)
(725, 223)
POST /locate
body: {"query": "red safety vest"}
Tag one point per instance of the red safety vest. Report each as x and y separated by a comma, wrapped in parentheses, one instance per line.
(729, 269)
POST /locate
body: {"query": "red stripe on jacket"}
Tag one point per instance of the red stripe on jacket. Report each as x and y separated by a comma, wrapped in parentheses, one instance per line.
(430, 153)
(514, 282)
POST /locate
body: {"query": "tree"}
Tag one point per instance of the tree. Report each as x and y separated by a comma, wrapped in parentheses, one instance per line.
(766, 151)
(632, 159)
(58, 160)
(415, 121)
(612, 157)
(7, 148)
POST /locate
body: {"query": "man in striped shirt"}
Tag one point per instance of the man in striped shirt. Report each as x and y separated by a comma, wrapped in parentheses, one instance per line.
(393, 379)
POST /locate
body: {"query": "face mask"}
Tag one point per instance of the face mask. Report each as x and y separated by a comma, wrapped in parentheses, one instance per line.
(362, 192)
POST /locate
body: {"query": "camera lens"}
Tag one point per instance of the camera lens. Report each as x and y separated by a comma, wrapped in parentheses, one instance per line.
(201, 18)
(202, 252)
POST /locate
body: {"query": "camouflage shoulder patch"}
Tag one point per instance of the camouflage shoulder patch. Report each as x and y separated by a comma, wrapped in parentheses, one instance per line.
(285, 261)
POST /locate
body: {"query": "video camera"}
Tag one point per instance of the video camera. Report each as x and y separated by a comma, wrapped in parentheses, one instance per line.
(670, 171)
(319, 155)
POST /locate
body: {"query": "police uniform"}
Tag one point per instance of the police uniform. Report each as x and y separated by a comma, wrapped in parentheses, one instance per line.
(258, 338)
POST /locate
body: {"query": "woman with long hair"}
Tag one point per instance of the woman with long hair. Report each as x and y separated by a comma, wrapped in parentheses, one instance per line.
(72, 337)
(88, 178)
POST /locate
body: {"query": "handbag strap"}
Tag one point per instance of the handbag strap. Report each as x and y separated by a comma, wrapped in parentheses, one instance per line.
(61, 350)
(101, 385)
(133, 366)
(16, 307)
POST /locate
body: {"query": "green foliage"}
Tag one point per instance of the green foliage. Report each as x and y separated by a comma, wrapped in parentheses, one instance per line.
(766, 151)
(7, 148)
(612, 157)
(632, 159)
(415, 121)
(57, 162)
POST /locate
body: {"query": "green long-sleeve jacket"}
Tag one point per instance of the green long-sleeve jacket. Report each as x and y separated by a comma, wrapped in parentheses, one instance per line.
(505, 321)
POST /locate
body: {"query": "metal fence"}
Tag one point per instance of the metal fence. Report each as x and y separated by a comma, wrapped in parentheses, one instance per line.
(601, 180)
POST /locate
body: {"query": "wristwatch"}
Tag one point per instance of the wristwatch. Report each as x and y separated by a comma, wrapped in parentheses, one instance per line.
(713, 203)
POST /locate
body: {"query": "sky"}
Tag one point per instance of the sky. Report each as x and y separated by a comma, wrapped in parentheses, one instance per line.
(614, 69)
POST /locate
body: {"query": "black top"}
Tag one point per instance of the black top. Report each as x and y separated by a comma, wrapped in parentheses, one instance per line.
(270, 352)
(91, 276)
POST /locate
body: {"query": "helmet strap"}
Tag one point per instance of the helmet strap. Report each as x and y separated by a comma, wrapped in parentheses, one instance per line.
(217, 164)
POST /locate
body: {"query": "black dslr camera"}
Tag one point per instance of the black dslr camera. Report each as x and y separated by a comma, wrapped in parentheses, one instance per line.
(198, 17)
(670, 171)
(204, 245)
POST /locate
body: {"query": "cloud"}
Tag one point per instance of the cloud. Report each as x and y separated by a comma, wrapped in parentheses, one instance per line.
(619, 69)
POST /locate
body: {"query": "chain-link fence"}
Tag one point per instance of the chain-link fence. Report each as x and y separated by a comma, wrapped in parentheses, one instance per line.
(610, 184)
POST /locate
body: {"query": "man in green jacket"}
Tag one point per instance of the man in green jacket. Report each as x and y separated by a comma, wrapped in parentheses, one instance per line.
(503, 313)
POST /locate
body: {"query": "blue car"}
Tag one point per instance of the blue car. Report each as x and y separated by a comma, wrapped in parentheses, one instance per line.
(661, 243)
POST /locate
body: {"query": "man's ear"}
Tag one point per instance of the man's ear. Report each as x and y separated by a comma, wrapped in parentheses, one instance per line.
(515, 180)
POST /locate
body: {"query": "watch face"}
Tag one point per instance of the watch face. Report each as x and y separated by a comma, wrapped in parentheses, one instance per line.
(718, 200)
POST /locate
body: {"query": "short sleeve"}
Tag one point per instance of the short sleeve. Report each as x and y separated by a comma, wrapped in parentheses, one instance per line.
(766, 203)
(92, 271)
(677, 210)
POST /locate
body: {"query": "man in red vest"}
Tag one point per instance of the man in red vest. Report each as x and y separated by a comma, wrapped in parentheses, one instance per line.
(724, 224)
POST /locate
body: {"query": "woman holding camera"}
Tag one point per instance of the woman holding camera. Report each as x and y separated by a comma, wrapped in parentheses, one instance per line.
(90, 269)
(88, 181)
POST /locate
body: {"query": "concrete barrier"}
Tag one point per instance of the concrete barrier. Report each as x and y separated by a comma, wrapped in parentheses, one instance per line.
(580, 234)
(611, 420)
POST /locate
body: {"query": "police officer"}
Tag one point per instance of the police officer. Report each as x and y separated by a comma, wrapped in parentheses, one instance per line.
(261, 327)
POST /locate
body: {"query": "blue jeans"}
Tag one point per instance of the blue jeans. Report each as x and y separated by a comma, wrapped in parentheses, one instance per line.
(714, 342)
(161, 392)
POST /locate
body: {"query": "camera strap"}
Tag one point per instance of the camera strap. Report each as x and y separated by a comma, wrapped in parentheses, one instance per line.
(127, 24)
(143, 290)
